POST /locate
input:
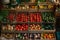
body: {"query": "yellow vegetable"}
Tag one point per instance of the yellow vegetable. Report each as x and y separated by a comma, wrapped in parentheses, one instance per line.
(41, 7)
(33, 7)
(50, 6)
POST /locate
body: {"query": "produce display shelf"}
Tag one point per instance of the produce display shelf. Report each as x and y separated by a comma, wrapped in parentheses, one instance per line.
(41, 31)
(28, 22)
(41, 3)
(49, 39)
(46, 2)
(14, 31)
(57, 14)
(13, 22)
(46, 10)
(39, 10)
(43, 39)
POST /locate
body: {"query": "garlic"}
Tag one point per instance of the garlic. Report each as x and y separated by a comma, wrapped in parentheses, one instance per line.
(23, 8)
(3, 28)
(9, 27)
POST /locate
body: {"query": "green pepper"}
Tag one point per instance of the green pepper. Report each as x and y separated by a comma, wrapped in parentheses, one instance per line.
(1, 17)
(4, 13)
(4, 20)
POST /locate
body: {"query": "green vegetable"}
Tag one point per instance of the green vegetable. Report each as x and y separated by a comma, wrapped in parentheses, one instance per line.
(4, 13)
(1, 17)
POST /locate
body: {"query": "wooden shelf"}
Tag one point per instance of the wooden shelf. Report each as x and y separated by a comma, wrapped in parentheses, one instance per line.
(57, 14)
(14, 31)
(14, 22)
(49, 39)
(40, 31)
(41, 3)
(45, 10)
(46, 3)
(38, 10)
(27, 22)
